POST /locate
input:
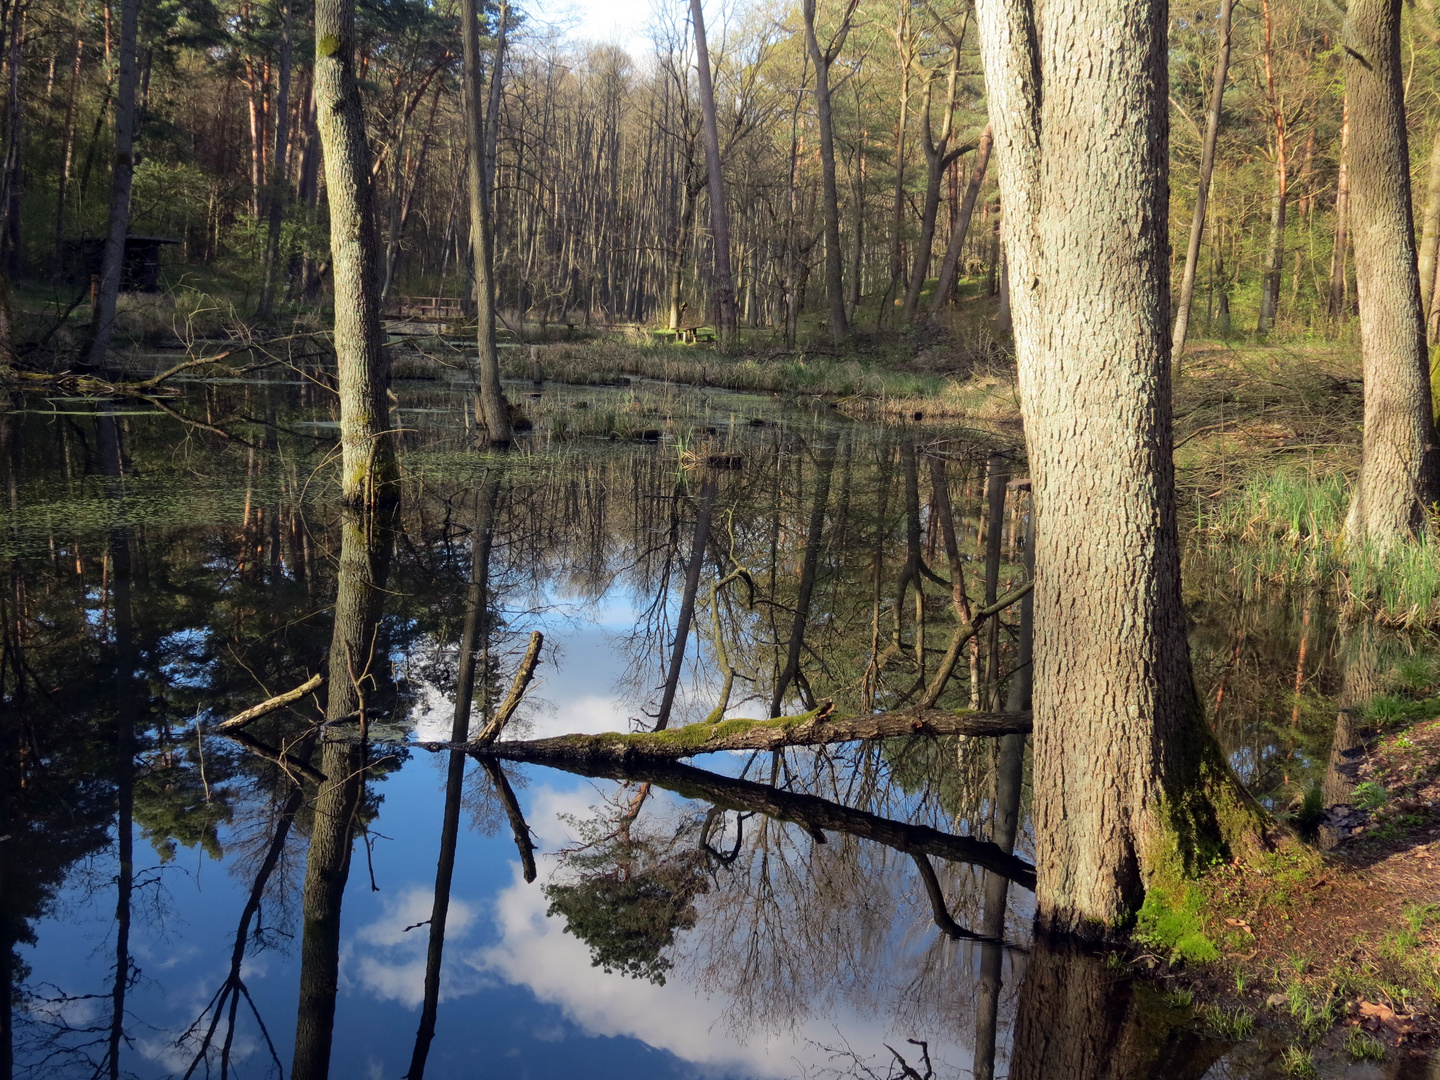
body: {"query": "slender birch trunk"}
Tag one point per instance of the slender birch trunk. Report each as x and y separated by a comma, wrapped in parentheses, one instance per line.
(1340, 253)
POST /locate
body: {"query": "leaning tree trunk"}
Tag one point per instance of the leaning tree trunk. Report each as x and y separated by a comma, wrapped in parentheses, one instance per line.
(1202, 196)
(492, 398)
(950, 264)
(834, 274)
(368, 467)
(1398, 481)
(1129, 788)
(102, 318)
(719, 216)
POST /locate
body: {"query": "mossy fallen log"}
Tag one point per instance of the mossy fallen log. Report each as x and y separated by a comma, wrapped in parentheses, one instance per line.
(815, 728)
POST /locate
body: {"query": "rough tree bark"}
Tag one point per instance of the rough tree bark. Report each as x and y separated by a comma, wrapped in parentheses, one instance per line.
(492, 398)
(1130, 791)
(1207, 168)
(102, 318)
(822, 59)
(725, 316)
(369, 472)
(1398, 481)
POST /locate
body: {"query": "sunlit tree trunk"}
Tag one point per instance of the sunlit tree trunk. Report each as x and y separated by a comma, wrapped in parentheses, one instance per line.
(493, 407)
(1207, 168)
(102, 319)
(1128, 785)
(938, 158)
(1275, 249)
(1398, 482)
(368, 467)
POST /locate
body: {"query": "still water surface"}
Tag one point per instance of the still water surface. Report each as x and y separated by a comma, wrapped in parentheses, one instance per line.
(162, 577)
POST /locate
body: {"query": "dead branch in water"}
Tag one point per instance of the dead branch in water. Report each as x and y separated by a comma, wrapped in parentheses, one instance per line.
(279, 701)
(523, 675)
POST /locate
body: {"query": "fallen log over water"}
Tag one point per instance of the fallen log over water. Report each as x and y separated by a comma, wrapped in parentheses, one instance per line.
(808, 811)
(816, 728)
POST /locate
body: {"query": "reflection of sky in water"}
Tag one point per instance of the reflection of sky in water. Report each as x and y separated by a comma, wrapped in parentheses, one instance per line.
(519, 996)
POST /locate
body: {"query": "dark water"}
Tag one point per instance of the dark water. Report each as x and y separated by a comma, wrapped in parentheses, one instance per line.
(160, 577)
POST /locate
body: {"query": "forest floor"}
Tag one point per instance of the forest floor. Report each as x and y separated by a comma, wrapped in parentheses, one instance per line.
(1339, 956)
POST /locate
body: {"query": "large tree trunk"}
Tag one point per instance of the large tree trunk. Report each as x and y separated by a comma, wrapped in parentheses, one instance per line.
(834, 257)
(950, 264)
(1207, 168)
(278, 195)
(492, 398)
(1398, 480)
(102, 318)
(1129, 788)
(719, 215)
(368, 467)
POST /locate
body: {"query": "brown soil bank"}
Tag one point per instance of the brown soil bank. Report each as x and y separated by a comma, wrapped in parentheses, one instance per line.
(1339, 957)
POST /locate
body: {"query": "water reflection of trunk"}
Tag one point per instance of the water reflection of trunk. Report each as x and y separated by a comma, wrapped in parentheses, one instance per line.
(704, 512)
(1078, 1021)
(111, 459)
(1009, 782)
(1360, 683)
(475, 635)
(791, 671)
(364, 563)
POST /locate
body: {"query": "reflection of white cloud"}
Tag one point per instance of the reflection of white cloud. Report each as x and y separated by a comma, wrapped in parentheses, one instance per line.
(390, 960)
(536, 953)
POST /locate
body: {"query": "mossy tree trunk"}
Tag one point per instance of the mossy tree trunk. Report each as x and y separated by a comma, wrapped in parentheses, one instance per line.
(368, 466)
(1129, 787)
(1398, 481)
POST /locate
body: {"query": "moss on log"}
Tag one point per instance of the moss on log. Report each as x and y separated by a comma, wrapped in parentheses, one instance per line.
(815, 728)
